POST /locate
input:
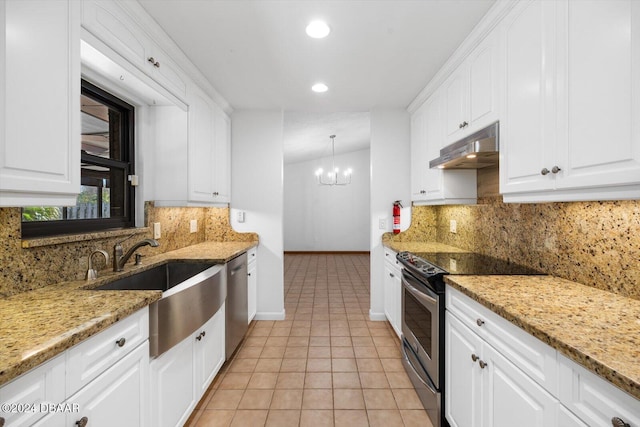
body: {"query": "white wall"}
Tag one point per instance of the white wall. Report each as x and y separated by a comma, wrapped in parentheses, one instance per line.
(390, 181)
(256, 189)
(327, 218)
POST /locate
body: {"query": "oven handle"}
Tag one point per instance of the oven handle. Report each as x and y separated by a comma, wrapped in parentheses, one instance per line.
(405, 345)
(425, 296)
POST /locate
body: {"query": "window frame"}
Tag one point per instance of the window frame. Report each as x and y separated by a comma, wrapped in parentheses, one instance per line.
(34, 229)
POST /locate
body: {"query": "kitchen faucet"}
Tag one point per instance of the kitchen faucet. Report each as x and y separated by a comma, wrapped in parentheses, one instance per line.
(120, 260)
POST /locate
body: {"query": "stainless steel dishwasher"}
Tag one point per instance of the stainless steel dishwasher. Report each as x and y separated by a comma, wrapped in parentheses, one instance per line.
(237, 304)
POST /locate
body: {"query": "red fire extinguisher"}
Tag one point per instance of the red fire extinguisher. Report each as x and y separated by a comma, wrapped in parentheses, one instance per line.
(396, 216)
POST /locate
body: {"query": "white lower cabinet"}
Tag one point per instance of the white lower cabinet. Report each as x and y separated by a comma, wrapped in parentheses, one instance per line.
(485, 389)
(393, 291)
(490, 382)
(252, 283)
(104, 378)
(120, 396)
(180, 376)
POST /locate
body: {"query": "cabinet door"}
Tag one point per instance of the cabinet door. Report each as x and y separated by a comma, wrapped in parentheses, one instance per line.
(396, 290)
(483, 84)
(252, 291)
(172, 385)
(527, 142)
(209, 351)
(462, 375)
(599, 58)
(510, 398)
(456, 90)
(389, 304)
(222, 157)
(120, 396)
(201, 146)
(419, 156)
(40, 108)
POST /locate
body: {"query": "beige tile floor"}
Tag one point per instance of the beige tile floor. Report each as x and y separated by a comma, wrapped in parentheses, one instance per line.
(326, 364)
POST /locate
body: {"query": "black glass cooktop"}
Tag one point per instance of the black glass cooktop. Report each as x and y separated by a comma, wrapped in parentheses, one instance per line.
(473, 264)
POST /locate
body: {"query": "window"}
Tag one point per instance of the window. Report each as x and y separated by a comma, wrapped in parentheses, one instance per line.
(106, 198)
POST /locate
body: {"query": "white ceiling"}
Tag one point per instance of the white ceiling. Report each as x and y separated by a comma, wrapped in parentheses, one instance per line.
(380, 53)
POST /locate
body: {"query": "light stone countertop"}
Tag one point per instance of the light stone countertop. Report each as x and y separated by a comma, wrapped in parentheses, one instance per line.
(40, 324)
(597, 329)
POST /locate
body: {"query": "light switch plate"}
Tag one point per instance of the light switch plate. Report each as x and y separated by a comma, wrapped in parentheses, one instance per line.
(240, 216)
(157, 233)
(193, 226)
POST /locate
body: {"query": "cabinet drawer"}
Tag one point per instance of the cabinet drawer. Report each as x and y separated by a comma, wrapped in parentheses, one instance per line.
(534, 357)
(390, 258)
(252, 255)
(593, 399)
(93, 356)
(43, 384)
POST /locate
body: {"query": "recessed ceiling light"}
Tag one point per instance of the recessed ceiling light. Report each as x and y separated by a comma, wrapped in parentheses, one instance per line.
(319, 87)
(318, 29)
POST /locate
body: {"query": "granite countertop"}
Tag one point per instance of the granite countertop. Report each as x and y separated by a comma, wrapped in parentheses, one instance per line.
(597, 329)
(40, 324)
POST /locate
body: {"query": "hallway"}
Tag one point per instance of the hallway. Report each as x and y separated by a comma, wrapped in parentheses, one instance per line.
(326, 364)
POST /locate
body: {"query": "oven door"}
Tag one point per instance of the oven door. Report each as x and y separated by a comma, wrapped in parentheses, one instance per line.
(421, 323)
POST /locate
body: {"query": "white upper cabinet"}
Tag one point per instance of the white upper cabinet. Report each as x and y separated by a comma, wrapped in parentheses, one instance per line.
(209, 150)
(40, 102)
(571, 128)
(108, 22)
(435, 186)
(471, 92)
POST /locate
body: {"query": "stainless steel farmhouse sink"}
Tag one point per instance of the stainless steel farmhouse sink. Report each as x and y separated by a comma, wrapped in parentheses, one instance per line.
(192, 292)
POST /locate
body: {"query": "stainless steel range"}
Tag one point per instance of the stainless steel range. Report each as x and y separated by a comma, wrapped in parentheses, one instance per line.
(423, 307)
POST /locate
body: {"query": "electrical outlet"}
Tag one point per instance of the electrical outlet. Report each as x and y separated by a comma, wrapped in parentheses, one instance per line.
(157, 233)
(193, 226)
(453, 226)
(240, 216)
(453, 265)
(382, 223)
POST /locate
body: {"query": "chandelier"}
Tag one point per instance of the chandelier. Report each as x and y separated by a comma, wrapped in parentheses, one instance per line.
(332, 177)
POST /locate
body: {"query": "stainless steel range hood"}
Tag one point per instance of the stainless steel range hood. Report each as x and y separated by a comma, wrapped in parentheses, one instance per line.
(476, 151)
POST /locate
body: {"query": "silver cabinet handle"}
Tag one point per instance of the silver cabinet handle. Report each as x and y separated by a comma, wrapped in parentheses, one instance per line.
(153, 62)
(482, 364)
(618, 422)
(82, 422)
(555, 169)
(391, 275)
(544, 171)
(121, 342)
(480, 322)
(474, 358)
(215, 193)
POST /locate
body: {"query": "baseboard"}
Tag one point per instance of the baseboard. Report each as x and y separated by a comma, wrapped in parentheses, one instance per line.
(270, 316)
(327, 252)
(377, 317)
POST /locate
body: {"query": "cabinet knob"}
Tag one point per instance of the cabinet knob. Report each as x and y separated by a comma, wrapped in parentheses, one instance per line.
(201, 335)
(482, 364)
(480, 322)
(82, 422)
(153, 62)
(465, 124)
(555, 169)
(423, 192)
(215, 193)
(121, 342)
(391, 275)
(544, 171)
(618, 422)
(474, 358)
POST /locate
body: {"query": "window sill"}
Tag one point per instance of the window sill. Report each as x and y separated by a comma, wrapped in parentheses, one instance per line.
(71, 238)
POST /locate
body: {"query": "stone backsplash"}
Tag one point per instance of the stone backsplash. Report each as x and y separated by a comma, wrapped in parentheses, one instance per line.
(593, 243)
(44, 263)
